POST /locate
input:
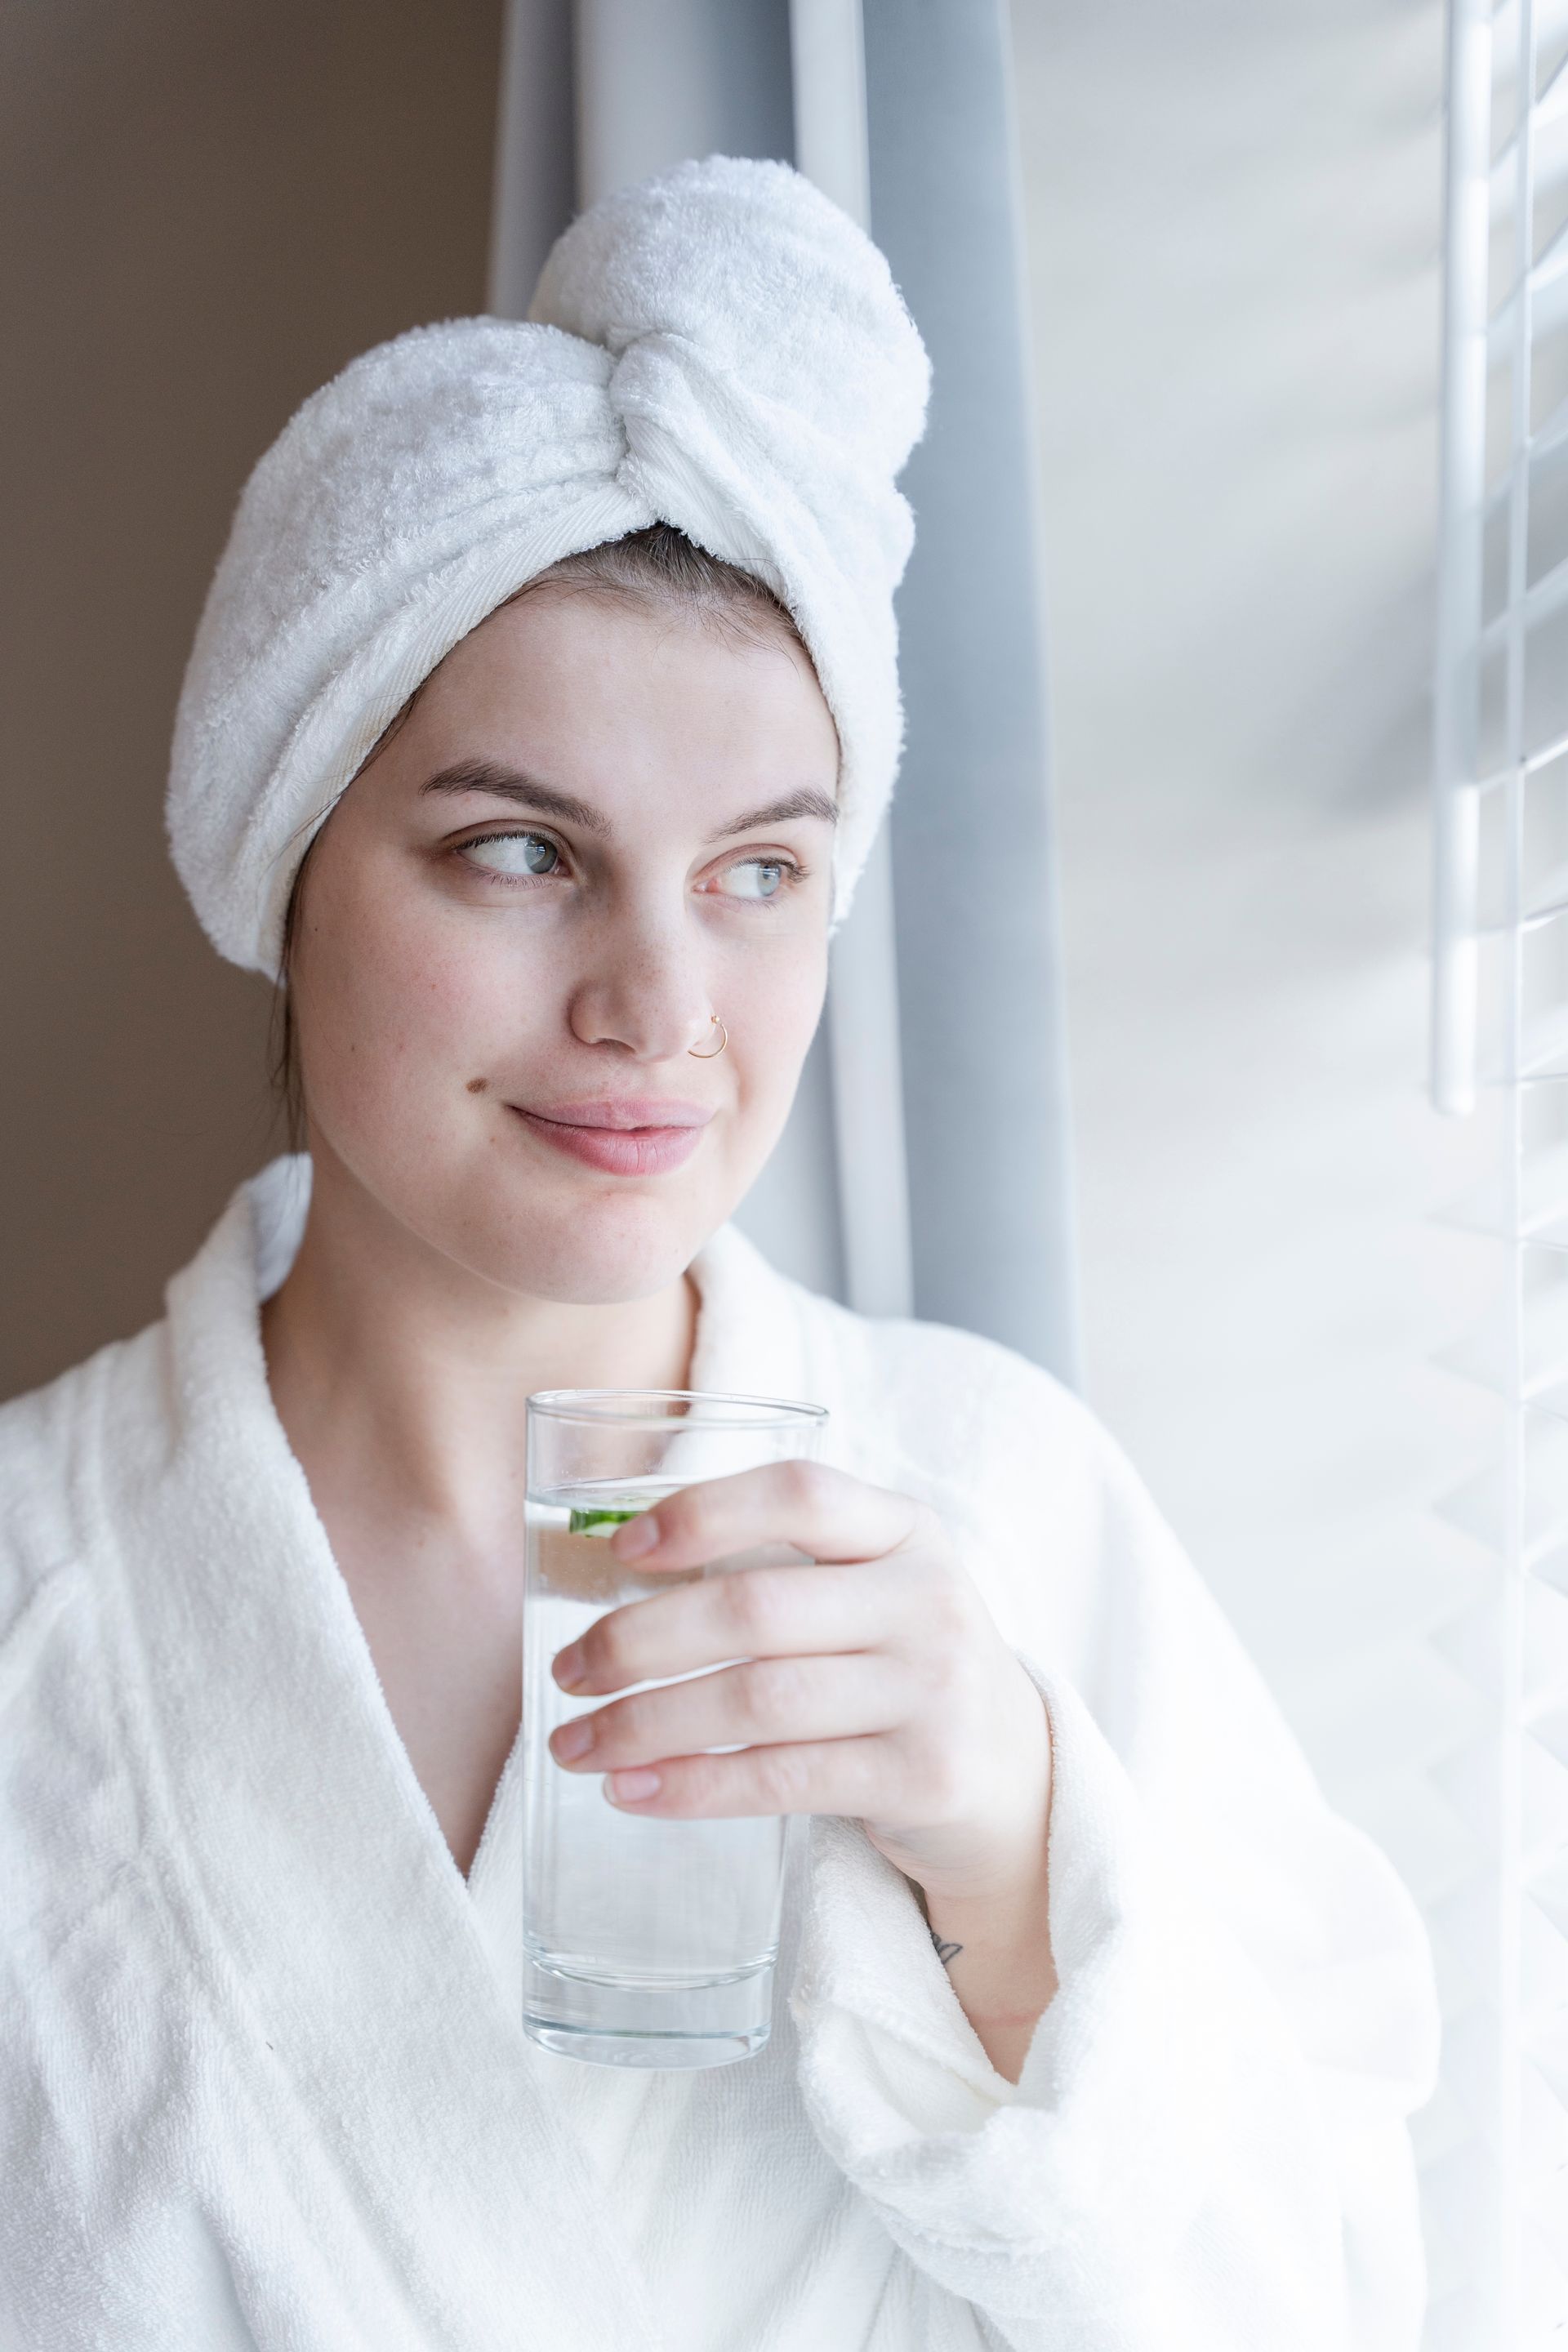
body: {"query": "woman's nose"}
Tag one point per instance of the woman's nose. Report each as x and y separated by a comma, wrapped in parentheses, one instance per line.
(644, 992)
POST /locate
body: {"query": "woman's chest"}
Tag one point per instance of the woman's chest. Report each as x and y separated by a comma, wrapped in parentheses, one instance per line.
(442, 1619)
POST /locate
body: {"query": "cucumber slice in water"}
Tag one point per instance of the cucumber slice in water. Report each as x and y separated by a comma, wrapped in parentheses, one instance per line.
(600, 1523)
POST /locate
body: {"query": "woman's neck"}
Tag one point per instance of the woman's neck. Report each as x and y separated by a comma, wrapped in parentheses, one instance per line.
(399, 1374)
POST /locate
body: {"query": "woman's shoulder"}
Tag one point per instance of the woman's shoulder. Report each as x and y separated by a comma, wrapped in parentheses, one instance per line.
(1052, 1520)
(41, 1435)
(53, 1446)
(918, 1360)
(70, 1808)
(948, 1408)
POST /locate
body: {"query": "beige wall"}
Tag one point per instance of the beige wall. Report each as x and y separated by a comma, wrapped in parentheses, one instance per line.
(206, 207)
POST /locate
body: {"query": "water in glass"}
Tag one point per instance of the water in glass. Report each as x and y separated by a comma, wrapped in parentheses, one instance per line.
(646, 1942)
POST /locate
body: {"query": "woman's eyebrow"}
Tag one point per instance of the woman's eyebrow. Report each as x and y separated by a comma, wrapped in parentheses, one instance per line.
(807, 802)
(523, 790)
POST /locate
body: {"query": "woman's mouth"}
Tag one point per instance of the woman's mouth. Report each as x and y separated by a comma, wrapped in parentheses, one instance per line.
(634, 1136)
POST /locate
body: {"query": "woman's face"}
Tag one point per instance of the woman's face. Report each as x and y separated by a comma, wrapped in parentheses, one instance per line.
(597, 826)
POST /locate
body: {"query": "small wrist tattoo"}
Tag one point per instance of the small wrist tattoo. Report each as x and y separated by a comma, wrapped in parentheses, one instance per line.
(944, 1952)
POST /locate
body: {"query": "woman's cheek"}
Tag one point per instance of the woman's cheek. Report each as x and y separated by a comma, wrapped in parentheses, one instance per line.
(453, 987)
(477, 1005)
(771, 1028)
(390, 1030)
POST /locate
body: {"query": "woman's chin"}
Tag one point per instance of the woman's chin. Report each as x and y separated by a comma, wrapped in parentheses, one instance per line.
(600, 1252)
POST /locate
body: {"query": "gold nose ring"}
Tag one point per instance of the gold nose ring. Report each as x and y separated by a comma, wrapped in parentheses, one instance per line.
(714, 1051)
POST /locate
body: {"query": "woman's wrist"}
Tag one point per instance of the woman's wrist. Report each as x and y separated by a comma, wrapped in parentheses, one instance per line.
(996, 1949)
(987, 1906)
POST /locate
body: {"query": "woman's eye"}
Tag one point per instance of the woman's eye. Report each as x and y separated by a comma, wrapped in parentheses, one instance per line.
(757, 877)
(513, 852)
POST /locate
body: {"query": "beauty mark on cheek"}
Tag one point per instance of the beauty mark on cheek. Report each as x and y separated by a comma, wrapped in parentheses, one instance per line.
(477, 1086)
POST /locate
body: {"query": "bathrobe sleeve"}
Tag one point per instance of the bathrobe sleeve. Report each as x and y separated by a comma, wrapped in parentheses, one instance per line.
(1207, 2150)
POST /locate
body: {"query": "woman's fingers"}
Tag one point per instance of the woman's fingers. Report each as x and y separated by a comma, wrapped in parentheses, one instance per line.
(825, 1514)
(862, 1777)
(849, 1529)
(755, 1613)
(762, 1701)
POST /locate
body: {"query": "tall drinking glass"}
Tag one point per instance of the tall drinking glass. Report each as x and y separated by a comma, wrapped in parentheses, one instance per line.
(645, 1943)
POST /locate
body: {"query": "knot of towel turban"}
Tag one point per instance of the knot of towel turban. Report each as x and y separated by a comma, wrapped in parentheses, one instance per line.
(720, 349)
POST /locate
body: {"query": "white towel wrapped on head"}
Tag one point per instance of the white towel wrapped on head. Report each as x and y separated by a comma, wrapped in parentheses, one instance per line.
(720, 349)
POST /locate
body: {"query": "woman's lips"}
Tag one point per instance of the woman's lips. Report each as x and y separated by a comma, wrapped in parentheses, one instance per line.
(629, 1138)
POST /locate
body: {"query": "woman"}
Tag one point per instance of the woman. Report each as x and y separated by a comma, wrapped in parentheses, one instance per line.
(541, 714)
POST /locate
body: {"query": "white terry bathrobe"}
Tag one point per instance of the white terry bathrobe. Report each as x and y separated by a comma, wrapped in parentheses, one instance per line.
(262, 2078)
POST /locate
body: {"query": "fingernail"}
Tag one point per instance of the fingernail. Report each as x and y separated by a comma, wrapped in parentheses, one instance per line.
(636, 1536)
(572, 1739)
(626, 1787)
(568, 1668)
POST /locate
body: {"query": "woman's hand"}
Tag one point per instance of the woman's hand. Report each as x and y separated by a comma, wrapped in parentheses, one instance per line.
(873, 1683)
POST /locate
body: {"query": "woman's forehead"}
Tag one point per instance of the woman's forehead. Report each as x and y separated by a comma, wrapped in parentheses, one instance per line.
(588, 634)
(601, 702)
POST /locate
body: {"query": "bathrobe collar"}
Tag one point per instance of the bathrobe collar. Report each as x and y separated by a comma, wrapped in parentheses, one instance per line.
(305, 1859)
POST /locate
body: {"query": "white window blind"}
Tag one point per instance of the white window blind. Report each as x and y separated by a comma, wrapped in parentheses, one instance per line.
(1498, 2177)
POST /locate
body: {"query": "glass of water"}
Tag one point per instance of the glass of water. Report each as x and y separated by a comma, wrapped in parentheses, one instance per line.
(645, 1943)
